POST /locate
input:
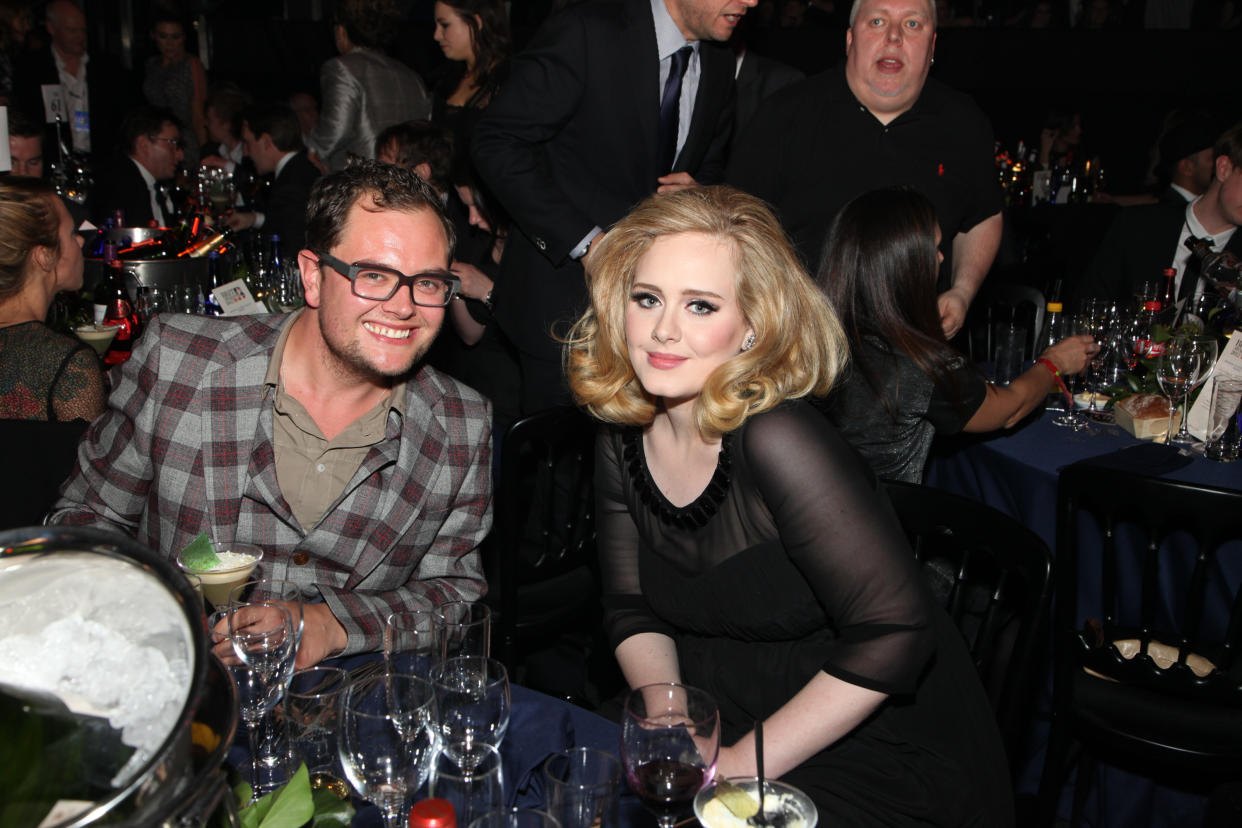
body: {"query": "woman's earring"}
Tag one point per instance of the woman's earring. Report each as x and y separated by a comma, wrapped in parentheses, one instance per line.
(749, 342)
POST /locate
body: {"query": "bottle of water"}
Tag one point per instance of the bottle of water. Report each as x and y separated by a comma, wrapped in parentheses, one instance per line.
(1053, 332)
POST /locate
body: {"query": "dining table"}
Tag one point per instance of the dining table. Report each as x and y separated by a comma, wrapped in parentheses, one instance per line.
(539, 726)
(1015, 471)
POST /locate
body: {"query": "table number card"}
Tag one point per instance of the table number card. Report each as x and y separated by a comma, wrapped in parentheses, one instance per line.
(235, 299)
(1228, 366)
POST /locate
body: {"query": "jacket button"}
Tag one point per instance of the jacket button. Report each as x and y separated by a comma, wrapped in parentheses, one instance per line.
(301, 557)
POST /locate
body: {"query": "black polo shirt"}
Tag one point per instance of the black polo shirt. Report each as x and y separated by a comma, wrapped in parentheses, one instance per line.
(812, 147)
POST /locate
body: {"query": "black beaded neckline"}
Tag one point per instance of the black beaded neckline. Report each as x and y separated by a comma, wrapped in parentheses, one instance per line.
(693, 515)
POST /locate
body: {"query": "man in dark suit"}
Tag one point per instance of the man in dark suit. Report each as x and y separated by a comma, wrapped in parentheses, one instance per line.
(576, 138)
(93, 89)
(758, 77)
(136, 183)
(273, 141)
(1143, 241)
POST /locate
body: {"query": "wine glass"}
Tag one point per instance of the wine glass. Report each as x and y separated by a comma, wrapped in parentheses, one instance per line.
(471, 794)
(284, 593)
(464, 628)
(261, 634)
(410, 642)
(311, 707)
(387, 739)
(1176, 370)
(1206, 348)
(1071, 418)
(670, 737)
(516, 818)
(473, 697)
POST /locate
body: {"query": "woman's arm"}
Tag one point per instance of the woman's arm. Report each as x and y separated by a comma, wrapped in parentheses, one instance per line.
(848, 546)
(1005, 406)
(801, 728)
(648, 658)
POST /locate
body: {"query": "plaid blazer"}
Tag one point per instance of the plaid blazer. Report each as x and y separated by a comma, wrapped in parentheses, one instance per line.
(185, 446)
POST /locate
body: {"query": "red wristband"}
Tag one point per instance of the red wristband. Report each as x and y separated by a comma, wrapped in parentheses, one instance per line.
(1056, 377)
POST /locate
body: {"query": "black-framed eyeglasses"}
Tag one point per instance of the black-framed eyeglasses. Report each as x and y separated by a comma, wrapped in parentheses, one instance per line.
(176, 142)
(430, 289)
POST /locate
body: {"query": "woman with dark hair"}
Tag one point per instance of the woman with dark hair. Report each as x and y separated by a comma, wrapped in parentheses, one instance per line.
(905, 382)
(744, 548)
(474, 35)
(176, 80)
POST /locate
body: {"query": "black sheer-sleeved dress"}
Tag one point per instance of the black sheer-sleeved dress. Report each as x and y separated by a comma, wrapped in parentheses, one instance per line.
(790, 562)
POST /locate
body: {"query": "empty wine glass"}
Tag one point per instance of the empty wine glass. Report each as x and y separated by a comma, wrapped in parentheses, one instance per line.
(1072, 418)
(670, 738)
(473, 698)
(285, 593)
(261, 634)
(464, 628)
(410, 642)
(471, 794)
(387, 739)
(1177, 368)
(1206, 348)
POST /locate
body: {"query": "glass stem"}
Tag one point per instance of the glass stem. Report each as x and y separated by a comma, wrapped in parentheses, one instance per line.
(252, 735)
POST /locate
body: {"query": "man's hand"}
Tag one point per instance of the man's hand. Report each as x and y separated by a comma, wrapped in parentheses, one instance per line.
(240, 220)
(673, 182)
(952, 312)
(322, 635)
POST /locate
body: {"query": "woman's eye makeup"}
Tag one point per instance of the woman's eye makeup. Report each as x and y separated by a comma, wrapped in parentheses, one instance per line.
(644, 299)
(701, 306)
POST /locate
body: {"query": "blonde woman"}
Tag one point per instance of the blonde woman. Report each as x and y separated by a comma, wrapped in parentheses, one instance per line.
(744, 547)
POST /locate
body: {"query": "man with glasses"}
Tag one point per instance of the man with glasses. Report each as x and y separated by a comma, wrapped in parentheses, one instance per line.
(152, 141)
(318, 436)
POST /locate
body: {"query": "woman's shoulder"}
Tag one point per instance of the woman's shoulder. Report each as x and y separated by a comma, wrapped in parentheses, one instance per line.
(794, 425)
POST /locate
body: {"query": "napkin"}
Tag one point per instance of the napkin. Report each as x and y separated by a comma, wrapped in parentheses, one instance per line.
(1154, 459)
(538, 727)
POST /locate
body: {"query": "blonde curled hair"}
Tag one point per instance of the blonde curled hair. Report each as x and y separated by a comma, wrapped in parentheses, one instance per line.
(28, 220)
(799, 345)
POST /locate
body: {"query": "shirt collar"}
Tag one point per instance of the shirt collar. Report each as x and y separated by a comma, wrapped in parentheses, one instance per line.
(396, 396)
(144, 172)
(280, 165)
(60, 63)
(668, 37)
(1182, 191)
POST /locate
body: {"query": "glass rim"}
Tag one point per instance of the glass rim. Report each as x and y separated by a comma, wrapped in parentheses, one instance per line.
(637, 692)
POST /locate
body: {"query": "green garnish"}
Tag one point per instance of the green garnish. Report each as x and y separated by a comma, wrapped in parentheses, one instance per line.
(742, 804)
(200, 554)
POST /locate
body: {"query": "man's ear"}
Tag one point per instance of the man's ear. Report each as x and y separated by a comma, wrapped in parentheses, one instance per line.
(1224, 168)
(312, 277)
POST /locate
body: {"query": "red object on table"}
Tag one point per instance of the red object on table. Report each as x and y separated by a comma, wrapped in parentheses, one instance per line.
(433, 813)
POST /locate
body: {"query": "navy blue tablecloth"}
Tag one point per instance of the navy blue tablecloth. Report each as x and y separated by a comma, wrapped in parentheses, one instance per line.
(1016, 472)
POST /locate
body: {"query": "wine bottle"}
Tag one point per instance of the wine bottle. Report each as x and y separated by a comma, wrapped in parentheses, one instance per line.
(119, 311)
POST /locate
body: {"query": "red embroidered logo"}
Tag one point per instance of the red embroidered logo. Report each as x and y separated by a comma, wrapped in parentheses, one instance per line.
(940, 170)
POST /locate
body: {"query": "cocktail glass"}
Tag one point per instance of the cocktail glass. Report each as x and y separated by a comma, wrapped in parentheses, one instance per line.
(219, 582)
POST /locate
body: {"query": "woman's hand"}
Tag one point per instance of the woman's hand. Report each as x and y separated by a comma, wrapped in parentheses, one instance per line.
(1071, 354)
(474, 282)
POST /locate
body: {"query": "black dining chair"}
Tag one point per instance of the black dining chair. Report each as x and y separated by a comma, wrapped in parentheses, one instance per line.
(38, 457)
(542, 547)
(1022, 305)
(993, 577)
(1146, 633)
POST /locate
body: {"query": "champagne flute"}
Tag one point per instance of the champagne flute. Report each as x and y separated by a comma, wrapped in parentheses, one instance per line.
(1176, 370)
(473, 698)
(464, 628)
(670, 739)
(387, 739)
(1071, 418)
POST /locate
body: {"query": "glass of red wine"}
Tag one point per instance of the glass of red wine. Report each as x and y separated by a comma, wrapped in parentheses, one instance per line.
(670, 736)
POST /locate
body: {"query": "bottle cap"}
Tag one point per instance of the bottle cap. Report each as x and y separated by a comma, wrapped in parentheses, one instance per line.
(1054, 307)
(1170, 271)
(1151, 306)
(433, 813)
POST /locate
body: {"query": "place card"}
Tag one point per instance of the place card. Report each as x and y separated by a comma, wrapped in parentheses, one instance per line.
(1228, 366)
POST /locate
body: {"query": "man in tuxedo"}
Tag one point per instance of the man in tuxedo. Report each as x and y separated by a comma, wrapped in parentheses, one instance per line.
(273, 141)
(880, 122)
(1143, 241)
(93, 88)
(137, 183)
(320, 436)
(612, 100)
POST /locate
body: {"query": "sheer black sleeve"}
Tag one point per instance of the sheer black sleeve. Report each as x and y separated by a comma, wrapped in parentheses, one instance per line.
(78, 392)
(626, 612)
(842, 535)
